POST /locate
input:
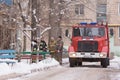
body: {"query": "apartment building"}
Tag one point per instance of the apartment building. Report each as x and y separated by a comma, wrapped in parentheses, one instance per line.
(98, 10)
(113, 18)
(84, 11)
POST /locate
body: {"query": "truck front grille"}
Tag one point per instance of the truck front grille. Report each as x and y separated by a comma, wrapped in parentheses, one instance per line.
(87, 46)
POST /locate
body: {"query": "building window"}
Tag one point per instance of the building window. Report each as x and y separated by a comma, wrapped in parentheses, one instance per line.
(79, 9)
(119, 32)
(101, 12)
(119, 8)
(111, 32)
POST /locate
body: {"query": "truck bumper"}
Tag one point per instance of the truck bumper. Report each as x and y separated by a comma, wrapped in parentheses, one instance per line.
(88, 55)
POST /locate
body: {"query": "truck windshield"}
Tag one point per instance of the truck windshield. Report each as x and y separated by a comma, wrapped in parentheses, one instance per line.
(87, 32)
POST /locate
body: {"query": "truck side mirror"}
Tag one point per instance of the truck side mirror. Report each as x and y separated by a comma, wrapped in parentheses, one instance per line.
(66, 32)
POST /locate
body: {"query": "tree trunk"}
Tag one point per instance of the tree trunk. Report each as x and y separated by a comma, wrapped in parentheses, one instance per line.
(55, 18)
(33, 25)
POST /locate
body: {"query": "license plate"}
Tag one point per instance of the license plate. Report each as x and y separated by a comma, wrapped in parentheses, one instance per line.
(87, 55)
(78, 54)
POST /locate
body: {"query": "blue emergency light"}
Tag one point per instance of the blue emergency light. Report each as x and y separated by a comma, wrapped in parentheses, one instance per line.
(83, 23)
(93, 23)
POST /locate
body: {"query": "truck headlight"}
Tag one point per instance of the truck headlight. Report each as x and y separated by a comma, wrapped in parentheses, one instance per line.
(72, 54)
(103, 54)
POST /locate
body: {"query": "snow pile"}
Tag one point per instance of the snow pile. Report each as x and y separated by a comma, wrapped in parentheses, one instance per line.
(26, 68)
(116, 59)
(44, 64)
(65, 60)
(115, 63)
(21, 68)
(7, 60)
(5, 69)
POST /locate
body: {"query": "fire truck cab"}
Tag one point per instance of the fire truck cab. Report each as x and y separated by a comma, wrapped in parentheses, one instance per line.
(89, 42)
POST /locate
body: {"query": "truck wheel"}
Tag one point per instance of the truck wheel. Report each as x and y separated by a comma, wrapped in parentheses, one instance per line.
(72, 62)
(105, 62)
(79, 63)
(108, 61)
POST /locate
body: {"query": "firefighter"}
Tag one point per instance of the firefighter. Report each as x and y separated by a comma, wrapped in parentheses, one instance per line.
(52, 47)
(43, 45)
(34, 49)
(59, 49)
(34, 45)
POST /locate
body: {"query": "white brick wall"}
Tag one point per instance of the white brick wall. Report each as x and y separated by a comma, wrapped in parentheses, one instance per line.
(112, 11)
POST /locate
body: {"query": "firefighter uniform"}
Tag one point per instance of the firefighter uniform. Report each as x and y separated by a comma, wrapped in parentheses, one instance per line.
(59, 49)
(43, 46)
(34, 47)
(52, 48)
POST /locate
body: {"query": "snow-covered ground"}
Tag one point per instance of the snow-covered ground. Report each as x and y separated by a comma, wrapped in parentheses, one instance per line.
(115, 63)
(27, 68)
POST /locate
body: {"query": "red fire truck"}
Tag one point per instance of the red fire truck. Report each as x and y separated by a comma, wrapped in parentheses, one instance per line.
(90, 42)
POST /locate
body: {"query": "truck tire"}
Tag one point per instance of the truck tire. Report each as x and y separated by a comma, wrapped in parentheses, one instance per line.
(105, 62)
(72, 62)
(79, 63)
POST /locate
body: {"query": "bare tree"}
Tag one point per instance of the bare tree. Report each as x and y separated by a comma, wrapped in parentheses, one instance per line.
(55, 17)
(7, 27)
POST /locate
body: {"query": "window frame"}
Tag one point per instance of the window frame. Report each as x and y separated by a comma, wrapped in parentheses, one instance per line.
(79, 9)
(118, 32)
(119, 8)
(102, 12)
(110, 31)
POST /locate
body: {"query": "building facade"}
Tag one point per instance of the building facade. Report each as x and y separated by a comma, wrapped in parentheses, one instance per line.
(83, 11)
(113, 18)
(95, 11)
